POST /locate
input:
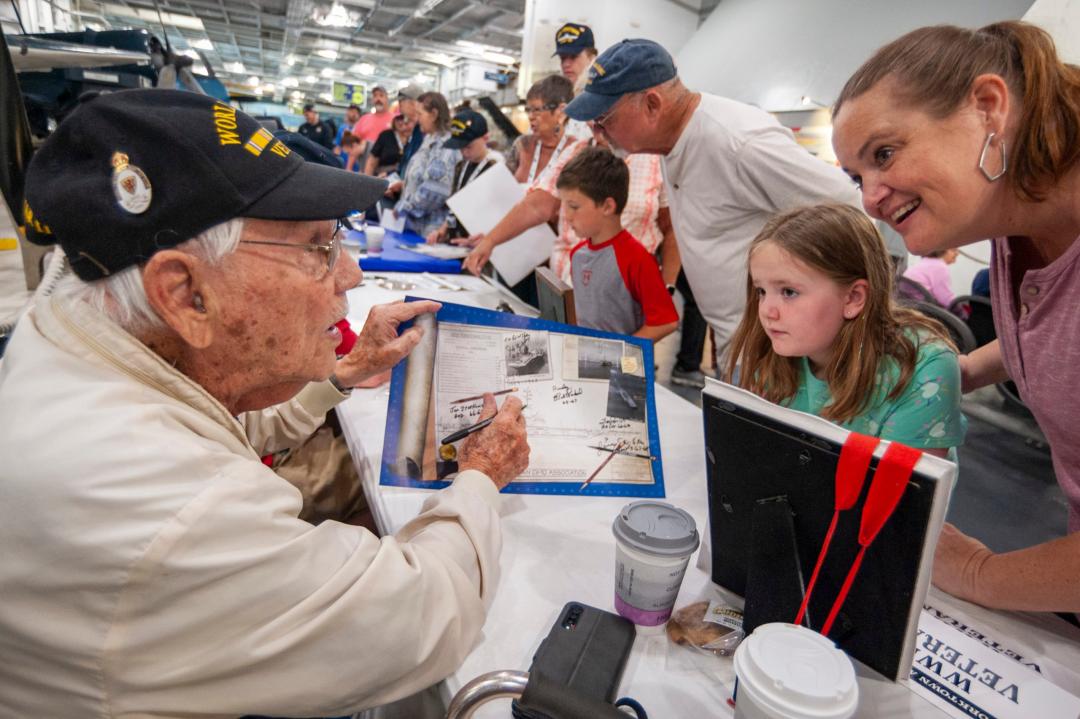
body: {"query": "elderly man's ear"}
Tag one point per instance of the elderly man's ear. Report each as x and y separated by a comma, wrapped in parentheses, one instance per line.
(177, 287)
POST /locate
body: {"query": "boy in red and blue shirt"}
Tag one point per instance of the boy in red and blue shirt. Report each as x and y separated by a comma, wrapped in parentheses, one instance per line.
(617, 283)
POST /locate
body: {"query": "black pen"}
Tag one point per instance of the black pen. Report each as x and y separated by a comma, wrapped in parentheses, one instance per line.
(625, 453)
(463, 433)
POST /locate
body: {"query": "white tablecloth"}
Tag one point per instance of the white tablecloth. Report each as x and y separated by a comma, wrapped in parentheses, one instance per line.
(560, 549)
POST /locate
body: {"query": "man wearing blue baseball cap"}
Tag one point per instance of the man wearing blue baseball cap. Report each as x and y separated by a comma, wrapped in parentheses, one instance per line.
(727, 166)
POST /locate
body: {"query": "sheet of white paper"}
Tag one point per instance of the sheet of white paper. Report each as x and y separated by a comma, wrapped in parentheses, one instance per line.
(567, 416)
(482, 203)
(443, 252)
(966, 678)
(390, 222)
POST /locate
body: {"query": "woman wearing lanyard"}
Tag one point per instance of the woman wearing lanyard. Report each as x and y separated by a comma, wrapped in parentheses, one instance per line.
(430, 171)
(544, 104)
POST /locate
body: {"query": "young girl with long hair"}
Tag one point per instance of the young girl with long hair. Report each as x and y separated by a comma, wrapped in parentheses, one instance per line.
(822, 334)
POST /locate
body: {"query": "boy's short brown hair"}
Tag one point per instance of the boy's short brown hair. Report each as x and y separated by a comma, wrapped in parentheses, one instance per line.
(597, 174)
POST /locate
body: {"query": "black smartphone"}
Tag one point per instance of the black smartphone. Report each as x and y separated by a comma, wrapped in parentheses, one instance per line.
(585, 651)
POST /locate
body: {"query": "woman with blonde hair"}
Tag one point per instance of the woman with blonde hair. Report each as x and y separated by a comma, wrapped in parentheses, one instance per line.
(822, 334)
(955, 135)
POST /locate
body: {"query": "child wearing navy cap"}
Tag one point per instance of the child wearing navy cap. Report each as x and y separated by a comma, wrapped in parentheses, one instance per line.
(468, 133)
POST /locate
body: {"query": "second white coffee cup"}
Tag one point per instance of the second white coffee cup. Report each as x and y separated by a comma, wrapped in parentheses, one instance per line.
(785, 671)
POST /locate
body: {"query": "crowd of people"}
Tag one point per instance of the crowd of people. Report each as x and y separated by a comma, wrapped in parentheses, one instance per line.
(199, 332)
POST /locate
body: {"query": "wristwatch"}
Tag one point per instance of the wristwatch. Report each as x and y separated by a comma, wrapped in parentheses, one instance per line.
(340, 387)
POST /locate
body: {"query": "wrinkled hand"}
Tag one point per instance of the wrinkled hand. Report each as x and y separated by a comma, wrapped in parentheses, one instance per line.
(500, 450)
(470, 241)
(378, 347)
(957, 563)
(375, 380)
(479, 257)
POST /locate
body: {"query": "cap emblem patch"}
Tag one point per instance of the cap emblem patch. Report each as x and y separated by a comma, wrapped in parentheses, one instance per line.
(130, 185)
(458, 128)
(567, 34)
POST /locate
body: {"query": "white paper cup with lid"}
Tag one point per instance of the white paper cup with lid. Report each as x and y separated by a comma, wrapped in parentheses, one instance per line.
(653, 543)
(373, 234)
(785, 671)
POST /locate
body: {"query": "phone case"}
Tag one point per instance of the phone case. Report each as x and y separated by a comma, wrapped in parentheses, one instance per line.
(585, 651)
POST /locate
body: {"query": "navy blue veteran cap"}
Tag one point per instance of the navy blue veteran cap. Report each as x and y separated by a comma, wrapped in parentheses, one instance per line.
(133, 172)
(629, 66)
(572, 38)
(466, 126)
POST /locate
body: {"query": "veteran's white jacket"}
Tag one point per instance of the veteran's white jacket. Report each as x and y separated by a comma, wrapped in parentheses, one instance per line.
(151, 566)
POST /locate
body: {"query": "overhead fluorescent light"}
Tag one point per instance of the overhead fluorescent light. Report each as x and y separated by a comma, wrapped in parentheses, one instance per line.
(290, 82)
(498, 57)
(336, 16)
(441, 58)
(330, 72)
(236, 68)
(188, 22)
(202, 44)
(311, 79)
(363, 68)
(253, 80)
(290, 60)
(327, 53)
(326, 96)
(402, 84)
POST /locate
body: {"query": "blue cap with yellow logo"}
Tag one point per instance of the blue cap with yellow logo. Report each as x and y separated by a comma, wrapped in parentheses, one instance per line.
(466, 126)
(133, 172)
(630, 66)
(572, 38)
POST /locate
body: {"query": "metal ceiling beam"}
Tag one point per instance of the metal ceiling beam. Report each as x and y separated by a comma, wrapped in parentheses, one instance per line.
(448, 20)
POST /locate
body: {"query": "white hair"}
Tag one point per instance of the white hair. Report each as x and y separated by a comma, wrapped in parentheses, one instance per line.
(122, 296)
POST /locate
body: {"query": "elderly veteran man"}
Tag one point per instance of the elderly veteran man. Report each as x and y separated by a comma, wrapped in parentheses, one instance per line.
(727, 167)
(151, 565)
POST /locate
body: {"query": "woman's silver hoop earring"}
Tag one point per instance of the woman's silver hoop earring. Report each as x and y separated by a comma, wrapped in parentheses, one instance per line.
(982, 160)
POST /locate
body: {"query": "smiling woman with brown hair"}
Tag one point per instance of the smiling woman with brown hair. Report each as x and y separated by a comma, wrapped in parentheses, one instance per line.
(956, 135)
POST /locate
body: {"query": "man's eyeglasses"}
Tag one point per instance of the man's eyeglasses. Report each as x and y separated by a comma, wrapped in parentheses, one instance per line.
(331, 250)
(543, 108)
(605, 117)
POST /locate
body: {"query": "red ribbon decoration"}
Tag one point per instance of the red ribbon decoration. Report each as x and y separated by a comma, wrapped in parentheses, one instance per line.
(851, 470)
(891, 479)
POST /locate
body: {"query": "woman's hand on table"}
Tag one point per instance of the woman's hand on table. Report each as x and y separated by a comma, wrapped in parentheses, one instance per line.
(378, 346)
(470, 241)
(436, 236)
(500, 450)
(479, 257)
(957, 563)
